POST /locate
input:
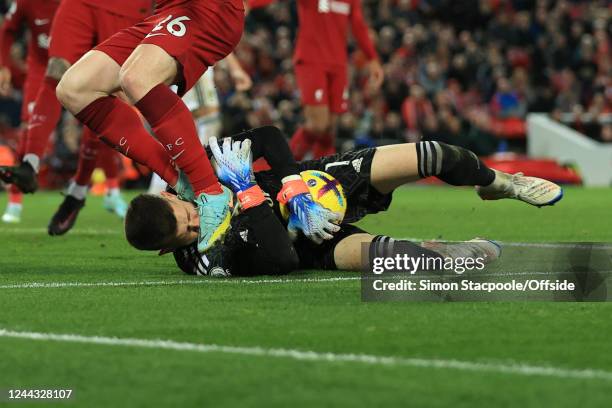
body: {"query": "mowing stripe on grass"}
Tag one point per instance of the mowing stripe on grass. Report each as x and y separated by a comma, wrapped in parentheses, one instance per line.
(305, 355)
(76, 231)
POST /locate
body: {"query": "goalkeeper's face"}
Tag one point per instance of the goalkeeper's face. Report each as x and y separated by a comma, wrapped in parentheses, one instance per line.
(187, 222)
(155, 222)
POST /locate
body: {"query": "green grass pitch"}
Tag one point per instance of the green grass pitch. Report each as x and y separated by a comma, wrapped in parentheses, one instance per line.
(304, 314)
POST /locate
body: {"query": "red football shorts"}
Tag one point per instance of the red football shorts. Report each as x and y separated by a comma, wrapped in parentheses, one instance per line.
(78, 27)
(197, 33)
(323, 85)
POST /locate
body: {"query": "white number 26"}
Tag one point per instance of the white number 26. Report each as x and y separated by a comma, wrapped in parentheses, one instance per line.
(174, 27)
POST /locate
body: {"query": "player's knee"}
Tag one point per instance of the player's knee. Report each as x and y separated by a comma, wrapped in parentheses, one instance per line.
(56, 68)
(67, 91)
(131, 81)
(136, 79)
(318, 127)
(317, 121)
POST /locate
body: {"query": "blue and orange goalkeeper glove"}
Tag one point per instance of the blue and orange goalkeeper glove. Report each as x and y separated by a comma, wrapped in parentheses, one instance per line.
(315, 221)
(234, 165)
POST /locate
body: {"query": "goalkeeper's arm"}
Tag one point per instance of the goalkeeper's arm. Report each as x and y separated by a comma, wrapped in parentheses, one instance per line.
(315, 221)
(270, 143)
(256, 244)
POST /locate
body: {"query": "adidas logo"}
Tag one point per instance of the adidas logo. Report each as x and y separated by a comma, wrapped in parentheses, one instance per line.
(244, 235)
(357, 164)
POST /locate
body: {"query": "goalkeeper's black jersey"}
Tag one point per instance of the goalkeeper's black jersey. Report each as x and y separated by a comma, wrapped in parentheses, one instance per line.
(257, 242)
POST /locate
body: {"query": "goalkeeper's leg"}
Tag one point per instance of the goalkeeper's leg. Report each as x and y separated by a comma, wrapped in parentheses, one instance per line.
(396, 165)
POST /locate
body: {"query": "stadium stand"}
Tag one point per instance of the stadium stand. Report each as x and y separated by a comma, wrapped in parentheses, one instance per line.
(463, 72)
(466, 72)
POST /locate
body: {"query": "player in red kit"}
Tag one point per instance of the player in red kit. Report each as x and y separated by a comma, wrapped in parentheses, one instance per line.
(78, 26)
(173, 47)
(320, 62)
(36, 16)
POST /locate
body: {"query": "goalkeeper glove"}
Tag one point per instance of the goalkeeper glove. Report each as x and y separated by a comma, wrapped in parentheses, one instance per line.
(315, 221)
(235, 169)
(234, 163)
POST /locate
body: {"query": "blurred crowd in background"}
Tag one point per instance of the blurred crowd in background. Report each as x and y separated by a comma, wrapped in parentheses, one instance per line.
(464, 72)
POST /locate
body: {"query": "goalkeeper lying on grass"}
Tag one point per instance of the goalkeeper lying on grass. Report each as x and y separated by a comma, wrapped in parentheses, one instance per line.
(261, 242)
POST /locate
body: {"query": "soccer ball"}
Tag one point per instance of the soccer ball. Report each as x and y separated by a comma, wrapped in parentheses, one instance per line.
(325, 190)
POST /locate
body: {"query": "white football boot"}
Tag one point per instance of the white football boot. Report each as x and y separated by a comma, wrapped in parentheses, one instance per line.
(12, 215)
(488, 250)
(531, 190)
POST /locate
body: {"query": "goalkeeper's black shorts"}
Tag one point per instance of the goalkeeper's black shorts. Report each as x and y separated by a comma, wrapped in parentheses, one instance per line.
(352, 169)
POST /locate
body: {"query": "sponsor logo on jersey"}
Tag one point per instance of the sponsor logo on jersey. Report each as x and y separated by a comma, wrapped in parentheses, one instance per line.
(333, 6)
(340, 7)
(318, 95)
(43, 41)
(41, 21)
(154, 35)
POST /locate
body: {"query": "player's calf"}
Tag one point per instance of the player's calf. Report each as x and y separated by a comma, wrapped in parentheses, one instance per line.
(452, 164)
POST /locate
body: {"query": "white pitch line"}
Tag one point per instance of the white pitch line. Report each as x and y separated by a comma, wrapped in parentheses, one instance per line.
(515, 368)
(569, 245)
(595, 245)
(57, 285)
(50, 285)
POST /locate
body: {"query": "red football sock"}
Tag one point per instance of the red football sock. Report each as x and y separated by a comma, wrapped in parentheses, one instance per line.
(324, 146)
(21, 144)
(15, 196)
(121, 127)
(87, 157)
(109, 162)
(112, 183)
(44, 118)
(173, 125)
(301, 143)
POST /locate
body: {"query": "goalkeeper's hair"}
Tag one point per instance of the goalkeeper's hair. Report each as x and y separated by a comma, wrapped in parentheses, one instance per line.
(149, 222)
